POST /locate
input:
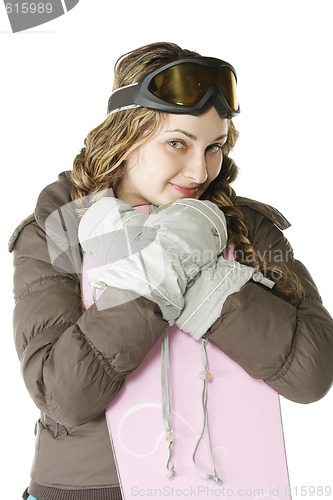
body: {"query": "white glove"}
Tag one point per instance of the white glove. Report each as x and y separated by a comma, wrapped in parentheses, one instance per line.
(205, 298)
(173, 244)
(111, 230)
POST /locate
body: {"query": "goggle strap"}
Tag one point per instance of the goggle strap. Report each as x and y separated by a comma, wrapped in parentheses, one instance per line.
(131, 106)
(121, 95)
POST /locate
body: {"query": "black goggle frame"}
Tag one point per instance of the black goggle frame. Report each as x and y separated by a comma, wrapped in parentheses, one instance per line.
(139, 95)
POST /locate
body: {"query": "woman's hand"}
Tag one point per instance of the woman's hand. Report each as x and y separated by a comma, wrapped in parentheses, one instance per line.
(174, 243)
(205, 298)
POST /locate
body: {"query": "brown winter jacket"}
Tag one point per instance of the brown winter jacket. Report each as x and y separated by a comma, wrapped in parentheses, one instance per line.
(74, 364)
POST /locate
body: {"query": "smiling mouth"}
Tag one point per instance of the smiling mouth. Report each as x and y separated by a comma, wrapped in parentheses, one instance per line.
(184, 190)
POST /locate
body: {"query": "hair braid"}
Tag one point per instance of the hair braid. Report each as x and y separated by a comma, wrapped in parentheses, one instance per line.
(221, 193)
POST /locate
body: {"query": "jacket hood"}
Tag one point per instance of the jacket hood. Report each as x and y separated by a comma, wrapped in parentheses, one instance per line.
(53, 197)
(56, 213)
(268, 211)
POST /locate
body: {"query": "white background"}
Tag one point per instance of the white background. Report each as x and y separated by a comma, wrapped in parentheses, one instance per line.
(55, 83)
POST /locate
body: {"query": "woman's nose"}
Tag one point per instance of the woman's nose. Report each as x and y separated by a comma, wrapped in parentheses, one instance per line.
(196, 169)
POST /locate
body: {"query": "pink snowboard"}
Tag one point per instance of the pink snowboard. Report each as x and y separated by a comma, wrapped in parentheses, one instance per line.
(244, 422)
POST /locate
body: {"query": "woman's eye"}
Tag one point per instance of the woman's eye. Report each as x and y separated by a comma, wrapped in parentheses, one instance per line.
(214, 148)
(176, 144)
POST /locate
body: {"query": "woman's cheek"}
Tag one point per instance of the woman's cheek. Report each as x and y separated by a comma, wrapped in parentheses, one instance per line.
(173, 165)
(215, 169)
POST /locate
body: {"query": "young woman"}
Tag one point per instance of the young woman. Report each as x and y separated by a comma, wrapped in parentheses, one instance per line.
(162, 141)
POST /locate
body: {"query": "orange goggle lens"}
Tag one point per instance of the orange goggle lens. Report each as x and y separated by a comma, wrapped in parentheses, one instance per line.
(185, 84)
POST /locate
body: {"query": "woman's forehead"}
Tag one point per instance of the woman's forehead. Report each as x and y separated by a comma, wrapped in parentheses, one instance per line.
(208, 124)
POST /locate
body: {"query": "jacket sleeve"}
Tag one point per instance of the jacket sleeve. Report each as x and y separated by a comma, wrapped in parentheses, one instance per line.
(74, 364)
(290, 349)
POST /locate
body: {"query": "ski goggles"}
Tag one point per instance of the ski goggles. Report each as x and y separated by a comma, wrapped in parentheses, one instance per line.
(186, 86)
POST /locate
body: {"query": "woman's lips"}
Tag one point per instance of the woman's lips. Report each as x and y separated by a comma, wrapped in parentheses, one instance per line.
(184, 190)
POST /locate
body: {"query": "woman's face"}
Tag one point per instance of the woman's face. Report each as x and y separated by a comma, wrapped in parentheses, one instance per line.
(179, 161)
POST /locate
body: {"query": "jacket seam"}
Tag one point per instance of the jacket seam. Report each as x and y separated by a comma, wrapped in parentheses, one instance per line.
(39, 332)
(42, 281)
(102, 360)
(11, 243)
(78, 487)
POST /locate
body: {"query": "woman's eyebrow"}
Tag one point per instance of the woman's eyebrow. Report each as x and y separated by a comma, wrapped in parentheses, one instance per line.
(193, 137)
(190, 136)
(224, 136)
